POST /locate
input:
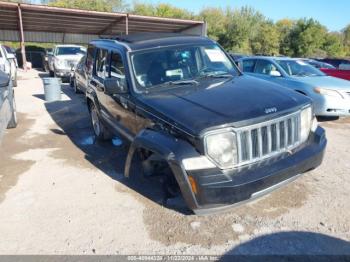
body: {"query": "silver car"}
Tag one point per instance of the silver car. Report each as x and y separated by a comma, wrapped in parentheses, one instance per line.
(64, 58)
(331, 95)
(8, 116)
(8, 63)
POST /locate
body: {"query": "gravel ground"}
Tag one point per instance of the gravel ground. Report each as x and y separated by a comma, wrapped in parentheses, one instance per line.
(61, 192)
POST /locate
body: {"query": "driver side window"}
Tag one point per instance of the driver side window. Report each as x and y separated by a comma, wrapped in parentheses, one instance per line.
(117, 67)
(265, 67)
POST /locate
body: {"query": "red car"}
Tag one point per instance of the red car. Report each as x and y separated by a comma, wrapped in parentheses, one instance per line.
(344, 74)
(328, 69)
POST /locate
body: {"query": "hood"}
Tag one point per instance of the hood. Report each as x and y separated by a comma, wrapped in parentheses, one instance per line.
(213, 104)
(76, 57)
(326, 82)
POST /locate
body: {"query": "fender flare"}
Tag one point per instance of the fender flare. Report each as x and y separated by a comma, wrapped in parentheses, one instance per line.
(91, 95)
(173, 151)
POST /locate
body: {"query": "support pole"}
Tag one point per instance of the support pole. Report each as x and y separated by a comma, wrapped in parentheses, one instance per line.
(127, 24)
(23, 50)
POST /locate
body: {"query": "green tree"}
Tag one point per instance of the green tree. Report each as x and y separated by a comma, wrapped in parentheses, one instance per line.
(307, 37)
(266, 41)
(284, 28)
(333, 45)
(93, 5)
(161, 10)
(216, 22)
(242, 26)
(346, 40)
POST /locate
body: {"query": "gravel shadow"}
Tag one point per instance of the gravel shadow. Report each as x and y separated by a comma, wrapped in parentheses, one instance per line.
(291, 246)
(73, 119)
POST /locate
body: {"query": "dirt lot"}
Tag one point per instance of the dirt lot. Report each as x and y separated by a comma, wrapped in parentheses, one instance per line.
(61, 192)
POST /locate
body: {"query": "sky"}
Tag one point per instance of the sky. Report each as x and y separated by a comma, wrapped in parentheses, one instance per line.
(334, 14)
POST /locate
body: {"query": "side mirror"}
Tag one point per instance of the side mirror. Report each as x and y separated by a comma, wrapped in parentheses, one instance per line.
(275, 73)
(115, 86)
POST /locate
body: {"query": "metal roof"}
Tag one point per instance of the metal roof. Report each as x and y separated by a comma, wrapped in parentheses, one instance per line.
(47, 22)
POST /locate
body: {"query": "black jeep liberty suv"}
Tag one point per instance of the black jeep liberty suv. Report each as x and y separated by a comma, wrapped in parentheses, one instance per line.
(220, 136)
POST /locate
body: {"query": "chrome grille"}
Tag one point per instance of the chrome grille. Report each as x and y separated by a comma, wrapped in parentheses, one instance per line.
(70, 63)
(263, 140)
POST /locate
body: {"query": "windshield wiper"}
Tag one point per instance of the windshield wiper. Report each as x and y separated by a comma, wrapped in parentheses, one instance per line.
(181, 82)
(213, 75)
(174, 83)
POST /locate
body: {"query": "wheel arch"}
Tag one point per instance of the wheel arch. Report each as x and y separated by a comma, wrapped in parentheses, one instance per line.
(170, 149)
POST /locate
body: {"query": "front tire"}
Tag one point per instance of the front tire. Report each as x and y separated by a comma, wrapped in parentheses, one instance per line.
(100, 131)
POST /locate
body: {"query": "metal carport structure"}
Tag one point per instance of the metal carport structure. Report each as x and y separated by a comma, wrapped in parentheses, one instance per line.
(40, 23)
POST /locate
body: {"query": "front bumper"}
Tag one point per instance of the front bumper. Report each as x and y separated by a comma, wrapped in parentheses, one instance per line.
(218, 190)
(332, 106)
(64, 73)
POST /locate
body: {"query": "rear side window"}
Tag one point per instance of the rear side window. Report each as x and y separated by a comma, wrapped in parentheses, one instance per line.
(90, 58)
(101, 65)
(248, 66)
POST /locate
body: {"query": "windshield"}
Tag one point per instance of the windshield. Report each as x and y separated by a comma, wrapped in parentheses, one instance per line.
(70, 51)
(299, 68)
(180, 65)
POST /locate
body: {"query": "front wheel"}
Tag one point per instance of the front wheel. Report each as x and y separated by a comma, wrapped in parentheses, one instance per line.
(101, 132)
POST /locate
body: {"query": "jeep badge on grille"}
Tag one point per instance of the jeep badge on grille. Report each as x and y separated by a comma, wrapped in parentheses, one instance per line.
(270, 110)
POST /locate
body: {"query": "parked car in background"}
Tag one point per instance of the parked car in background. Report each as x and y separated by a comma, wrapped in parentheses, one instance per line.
(328, 69)
(217, 136)
(8, 63)
(8, 114)
(317, 64)
(331, 95)
(48, 52)
(336, 62)
(78, 78)
(237, 56)
(63, 58)
(34, 54)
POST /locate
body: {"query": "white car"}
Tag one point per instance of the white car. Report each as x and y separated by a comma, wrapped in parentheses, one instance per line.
(8, 63)
(64, 58)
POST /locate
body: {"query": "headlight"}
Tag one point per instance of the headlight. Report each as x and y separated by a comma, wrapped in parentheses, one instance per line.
(327, 92)
(305, 123)
(221, 148)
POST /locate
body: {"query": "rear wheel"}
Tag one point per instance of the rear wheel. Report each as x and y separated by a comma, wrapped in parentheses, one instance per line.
(75, 86)
(101, 132)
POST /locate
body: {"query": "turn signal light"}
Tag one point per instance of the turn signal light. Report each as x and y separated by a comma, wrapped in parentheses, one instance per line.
(193, 184)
